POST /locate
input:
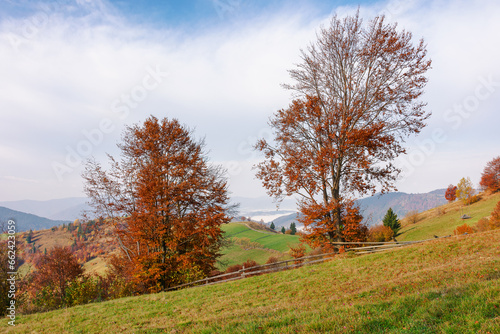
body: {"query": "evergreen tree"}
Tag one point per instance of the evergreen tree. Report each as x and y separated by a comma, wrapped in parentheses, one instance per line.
(272, 226)
(391, 220)
(283, 229)
(28, 238)
(293, 228)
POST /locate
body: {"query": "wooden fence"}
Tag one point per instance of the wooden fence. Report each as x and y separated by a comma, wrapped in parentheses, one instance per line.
(366, 247)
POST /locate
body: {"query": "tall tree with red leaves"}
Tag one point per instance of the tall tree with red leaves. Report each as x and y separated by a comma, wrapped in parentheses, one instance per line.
(166, 200)
(490, 179)
(357, 89)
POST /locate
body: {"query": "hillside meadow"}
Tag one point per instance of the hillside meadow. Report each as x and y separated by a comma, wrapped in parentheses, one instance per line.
(444, 219)
(264, 245)
(444, 286)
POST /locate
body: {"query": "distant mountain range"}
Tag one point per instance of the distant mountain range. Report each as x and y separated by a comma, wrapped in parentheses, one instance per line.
(373, 208)
(26, 221)
(55, 209)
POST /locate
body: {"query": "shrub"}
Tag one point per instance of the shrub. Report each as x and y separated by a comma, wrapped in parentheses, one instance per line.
(380, 233)
(482, 225)
(463, 229)
(234, 268)
(412, 217)
(474, 199)
(272, 259)
(298, 251)
(440, 211)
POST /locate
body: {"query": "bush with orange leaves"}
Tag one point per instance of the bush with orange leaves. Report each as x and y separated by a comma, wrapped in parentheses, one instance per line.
(463, 229)
(380, 233)
(493, 223)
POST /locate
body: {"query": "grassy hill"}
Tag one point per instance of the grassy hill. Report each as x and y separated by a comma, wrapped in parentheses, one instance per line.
(443, 286)
(443, 220)
(267, 244)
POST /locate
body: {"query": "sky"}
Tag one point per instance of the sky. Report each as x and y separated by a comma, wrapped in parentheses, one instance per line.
(74, 73)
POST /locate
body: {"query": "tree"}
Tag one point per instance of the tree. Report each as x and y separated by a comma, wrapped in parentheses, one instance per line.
(272, 226)
(451, 193)
(29, 236)
(166, 201)
(293, 228)
(391, 220)
(490, 179)
(283, 230)
(465, 190)
(55, 271)
(358, 90)
(380, 233)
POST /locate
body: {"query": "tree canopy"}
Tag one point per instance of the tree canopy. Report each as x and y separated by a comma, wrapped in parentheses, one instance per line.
(166, 200)
(357, 94)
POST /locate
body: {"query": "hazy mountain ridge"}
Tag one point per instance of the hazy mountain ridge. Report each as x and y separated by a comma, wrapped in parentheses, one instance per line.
(372, 208)
(70, 208)
(27, 221)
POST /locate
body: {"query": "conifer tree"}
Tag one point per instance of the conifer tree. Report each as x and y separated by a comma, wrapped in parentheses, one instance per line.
(293, 228)
(391, 220)
(272, 226)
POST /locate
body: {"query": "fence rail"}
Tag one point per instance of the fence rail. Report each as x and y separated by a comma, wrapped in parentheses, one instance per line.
(372, 247)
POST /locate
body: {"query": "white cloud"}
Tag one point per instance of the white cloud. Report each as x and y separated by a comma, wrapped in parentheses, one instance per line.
(64, 67)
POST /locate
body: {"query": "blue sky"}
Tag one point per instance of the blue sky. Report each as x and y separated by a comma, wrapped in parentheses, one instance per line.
(75, 72)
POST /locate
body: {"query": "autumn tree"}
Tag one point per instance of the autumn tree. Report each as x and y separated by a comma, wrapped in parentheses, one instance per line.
(465, 190)
(357, 93)
(166, 200)
(451, 193)
(391, 221)
(54, 272)
(490, 178)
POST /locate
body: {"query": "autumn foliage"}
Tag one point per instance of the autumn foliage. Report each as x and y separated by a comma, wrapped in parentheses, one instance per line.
(166, 201)
(463, 229)
(451, 193)
(490, 178)
(380, 233)
(358, 89)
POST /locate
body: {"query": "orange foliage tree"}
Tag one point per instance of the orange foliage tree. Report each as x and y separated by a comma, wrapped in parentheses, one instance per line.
(490, 179)
(166, 201)
(358, 90)
(54, 272)
(451, 193)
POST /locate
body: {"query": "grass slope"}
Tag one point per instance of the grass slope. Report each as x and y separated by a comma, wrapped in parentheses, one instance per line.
(443, 286)
(271, 244)
(435, 222)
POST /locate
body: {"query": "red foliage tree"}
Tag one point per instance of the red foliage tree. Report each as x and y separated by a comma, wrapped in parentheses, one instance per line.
(55, 271)
(166, 201)
(358, 92)
(490, 179)
(451, 193)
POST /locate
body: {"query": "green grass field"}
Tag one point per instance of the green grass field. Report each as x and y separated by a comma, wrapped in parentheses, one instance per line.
(271, 244)
(435, 222)
(443, 286)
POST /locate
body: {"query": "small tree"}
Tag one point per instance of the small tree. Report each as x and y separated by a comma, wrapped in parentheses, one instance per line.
(465, 190)
(272, 226)
(391, 220)
(490, 179)
(293, 228)
(451, 193)
(30, 235)
(283, 230)
(55, 271)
